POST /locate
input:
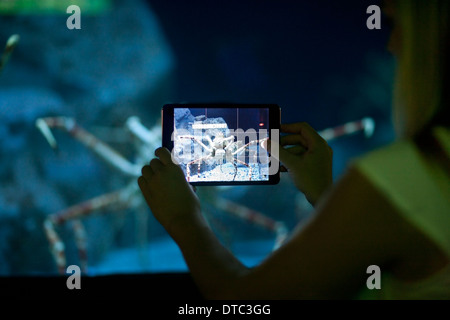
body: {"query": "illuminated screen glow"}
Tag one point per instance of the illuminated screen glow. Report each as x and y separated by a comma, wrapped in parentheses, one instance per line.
(221, 144)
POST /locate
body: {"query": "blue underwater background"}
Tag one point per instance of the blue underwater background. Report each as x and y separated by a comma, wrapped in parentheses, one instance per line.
(316, 59)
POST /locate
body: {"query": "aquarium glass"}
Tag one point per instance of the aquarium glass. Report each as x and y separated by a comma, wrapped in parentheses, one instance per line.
(80, 114)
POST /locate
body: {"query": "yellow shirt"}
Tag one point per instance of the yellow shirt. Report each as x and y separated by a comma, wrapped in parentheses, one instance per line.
(420, 189)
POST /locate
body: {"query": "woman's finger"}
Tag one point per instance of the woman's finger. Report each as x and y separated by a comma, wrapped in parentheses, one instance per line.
(297, 150)
(281, 154)
(156, 165)
(292, 139)
(147, 172)
(309, 135)
(143, 185)
(164, 155)
(145, 189)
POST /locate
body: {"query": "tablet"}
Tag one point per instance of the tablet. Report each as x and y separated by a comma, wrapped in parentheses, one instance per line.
(222, 144)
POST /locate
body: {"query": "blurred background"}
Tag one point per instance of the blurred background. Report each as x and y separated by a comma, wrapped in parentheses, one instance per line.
(316, 59)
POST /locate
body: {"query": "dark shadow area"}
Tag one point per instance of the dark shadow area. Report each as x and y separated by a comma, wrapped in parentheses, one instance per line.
(150, 287)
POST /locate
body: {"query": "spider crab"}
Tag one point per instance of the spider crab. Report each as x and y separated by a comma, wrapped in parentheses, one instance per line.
(221, 150)
(127, 197)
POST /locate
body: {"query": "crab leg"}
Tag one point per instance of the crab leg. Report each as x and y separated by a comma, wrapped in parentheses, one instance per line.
(104, 151)
(57, 248)
(188, 165)
(248, 166)
(10, 45)
(367, 125)
(209, 150)
(235, 169)
(86, 208)
(248, 145)
(81, 243)
(254, 217)
(229, 139)
(150, 137)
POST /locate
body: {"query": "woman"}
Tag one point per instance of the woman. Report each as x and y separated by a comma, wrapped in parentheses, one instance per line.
(391, 208)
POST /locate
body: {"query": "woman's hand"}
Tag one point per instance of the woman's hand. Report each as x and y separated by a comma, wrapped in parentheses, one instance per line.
(170, 197)
(308, 159)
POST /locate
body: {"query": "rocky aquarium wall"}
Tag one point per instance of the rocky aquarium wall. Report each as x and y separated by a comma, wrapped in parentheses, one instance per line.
(119, 65)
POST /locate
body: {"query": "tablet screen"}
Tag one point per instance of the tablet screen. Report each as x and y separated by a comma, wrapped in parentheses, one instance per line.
(222, 144)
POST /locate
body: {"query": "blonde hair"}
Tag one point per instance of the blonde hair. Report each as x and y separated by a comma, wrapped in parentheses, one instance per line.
(420, 78)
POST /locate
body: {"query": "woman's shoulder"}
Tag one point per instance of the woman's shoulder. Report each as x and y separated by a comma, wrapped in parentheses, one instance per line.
(405, 147)
(403, 159)
(416, 185)
(396, 163)
(392, 153)
(407, 174)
